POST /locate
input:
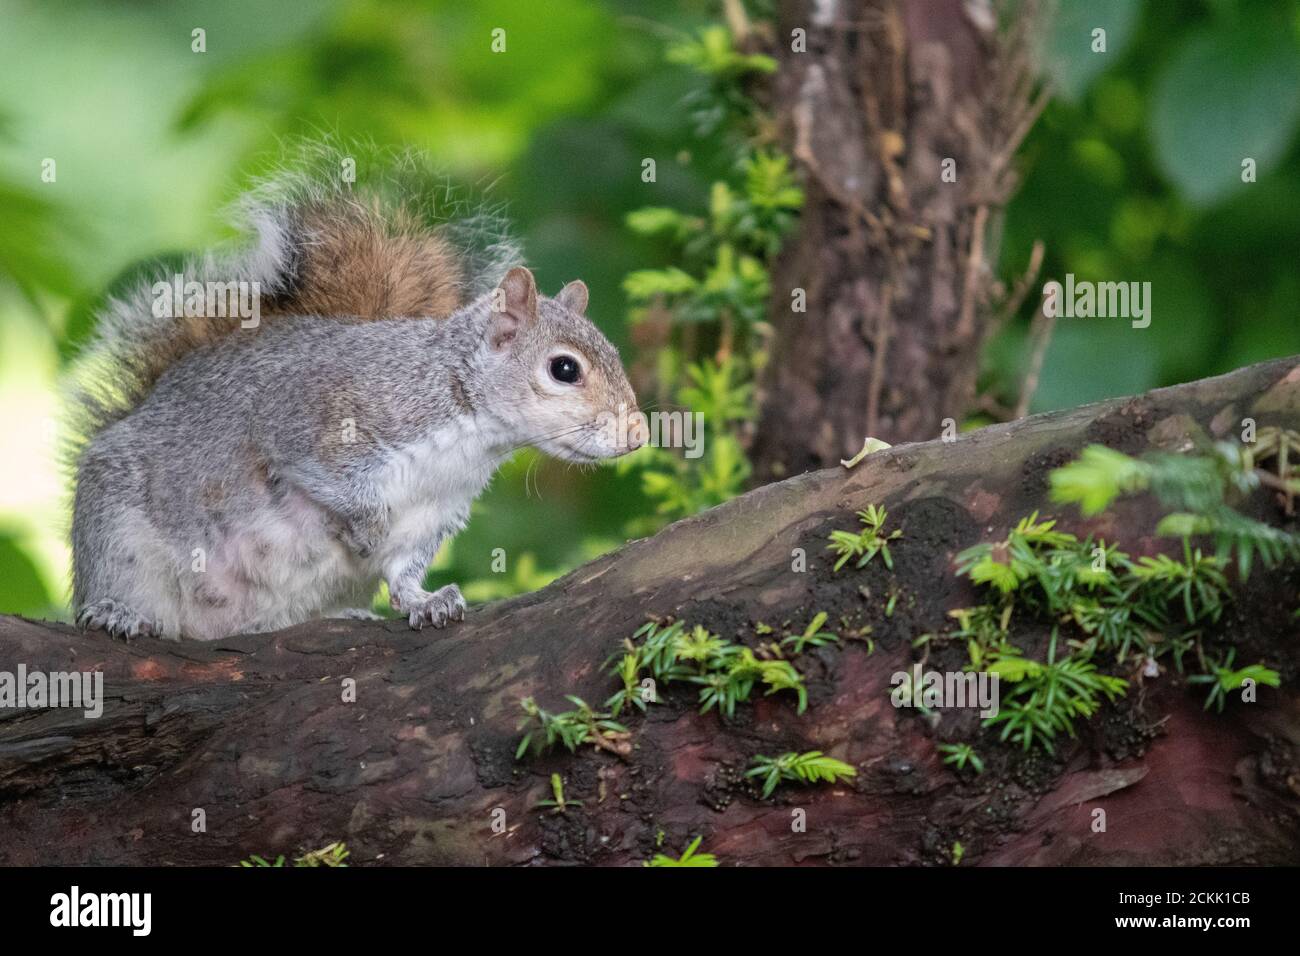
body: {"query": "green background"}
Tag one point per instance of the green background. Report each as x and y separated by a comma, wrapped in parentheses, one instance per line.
(1133, 174)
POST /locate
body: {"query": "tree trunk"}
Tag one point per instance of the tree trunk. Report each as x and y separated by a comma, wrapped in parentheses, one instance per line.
(904, 118)
(254, 731)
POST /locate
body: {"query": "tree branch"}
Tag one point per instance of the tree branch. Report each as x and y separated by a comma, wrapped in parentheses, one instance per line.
(254, 731)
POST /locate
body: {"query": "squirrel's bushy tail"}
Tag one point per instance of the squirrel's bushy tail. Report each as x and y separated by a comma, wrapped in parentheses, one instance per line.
(341, 230)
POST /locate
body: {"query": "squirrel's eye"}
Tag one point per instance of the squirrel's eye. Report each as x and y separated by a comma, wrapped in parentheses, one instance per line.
(565, 368)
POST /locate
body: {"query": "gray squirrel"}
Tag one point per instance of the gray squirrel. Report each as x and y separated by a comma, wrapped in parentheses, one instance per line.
(237, 475)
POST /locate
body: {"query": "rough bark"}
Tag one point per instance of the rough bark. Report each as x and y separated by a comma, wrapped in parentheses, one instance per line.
(894, 261)
(253, 730)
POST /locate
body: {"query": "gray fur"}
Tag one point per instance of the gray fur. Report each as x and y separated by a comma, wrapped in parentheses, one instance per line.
(114, 377)
(278, 475)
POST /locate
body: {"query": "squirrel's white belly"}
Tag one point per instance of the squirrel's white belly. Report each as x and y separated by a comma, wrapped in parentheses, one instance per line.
(281, 561)
(429, 487)
(283, 566)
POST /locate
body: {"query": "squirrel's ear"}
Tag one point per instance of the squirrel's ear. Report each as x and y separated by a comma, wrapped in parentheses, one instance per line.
(574, 297)
(514, 305)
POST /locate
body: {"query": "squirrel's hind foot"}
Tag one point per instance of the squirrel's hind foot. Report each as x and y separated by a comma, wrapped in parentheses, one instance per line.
(117, 619)
(438, 609)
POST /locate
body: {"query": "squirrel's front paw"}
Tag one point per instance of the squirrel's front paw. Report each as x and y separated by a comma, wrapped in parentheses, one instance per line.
(439, 608)
(117, 619)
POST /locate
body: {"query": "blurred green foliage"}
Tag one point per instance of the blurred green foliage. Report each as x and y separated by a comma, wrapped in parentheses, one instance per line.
(708, 307)
(1133, 173)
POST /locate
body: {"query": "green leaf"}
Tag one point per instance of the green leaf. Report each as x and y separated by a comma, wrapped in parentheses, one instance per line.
(644, 284)
(1001, 576)
(1070, 58)
(655, 220)
(713, 54)
(1014, 668)
(689, 858)
(1181, 524)
(1232, 680)
(1224, 97)
(1097, 478)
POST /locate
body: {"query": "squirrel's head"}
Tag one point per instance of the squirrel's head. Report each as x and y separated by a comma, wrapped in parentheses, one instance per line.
(561, 378)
